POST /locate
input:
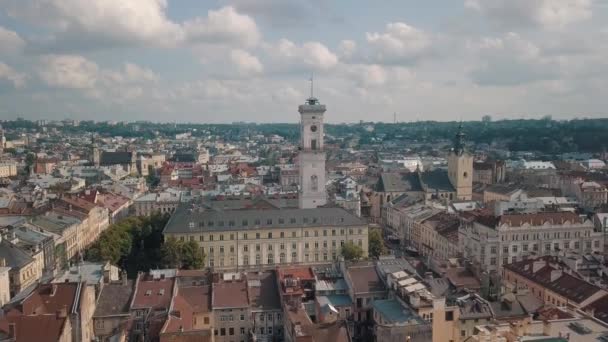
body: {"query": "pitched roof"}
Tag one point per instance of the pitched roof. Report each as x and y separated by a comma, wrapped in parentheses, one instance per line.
(185, 220)
(436, 181)
(114, 299)
(399, 182)
(39, 328)
(263, 290)
(49, 298)
(231, 294)
(13, 255)
(155, 294)
(114, 158)
(562, 283)
(365, 279)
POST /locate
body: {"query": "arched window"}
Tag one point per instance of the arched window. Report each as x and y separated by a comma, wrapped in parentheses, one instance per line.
(314, 183)
(270, 258)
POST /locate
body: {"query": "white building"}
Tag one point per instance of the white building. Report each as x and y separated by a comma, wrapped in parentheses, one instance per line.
(8, 169)
(490, 242)
(312, 156)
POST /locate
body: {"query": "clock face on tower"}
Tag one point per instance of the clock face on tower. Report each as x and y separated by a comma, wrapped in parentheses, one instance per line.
(313, 128)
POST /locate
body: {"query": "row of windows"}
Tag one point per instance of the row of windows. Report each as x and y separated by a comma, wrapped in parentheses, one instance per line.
(256, 222)
(334, 244)
(546, 235)
(270, 259)
(270, 235)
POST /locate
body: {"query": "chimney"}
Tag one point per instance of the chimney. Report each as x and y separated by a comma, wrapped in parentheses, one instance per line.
(12, 331)
(123, 277)
(63, 312)
(555, 274)
(537, 265)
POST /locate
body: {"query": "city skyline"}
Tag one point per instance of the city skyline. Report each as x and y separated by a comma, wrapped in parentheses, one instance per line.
(239, 60)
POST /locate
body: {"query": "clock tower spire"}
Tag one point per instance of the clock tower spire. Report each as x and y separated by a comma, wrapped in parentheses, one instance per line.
(312, 154)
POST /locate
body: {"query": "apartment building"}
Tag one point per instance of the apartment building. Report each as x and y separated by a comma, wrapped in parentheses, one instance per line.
(256, 238)
(8, 169)
(230, 304)
(490, 242)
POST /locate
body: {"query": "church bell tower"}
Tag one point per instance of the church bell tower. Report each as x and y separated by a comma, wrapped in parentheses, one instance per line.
(312, 154)
(460, 168)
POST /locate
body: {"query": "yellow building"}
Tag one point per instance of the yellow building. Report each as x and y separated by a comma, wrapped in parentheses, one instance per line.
(256, 237)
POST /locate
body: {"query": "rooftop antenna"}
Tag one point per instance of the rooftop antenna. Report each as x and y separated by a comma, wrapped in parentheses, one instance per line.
(311, 84)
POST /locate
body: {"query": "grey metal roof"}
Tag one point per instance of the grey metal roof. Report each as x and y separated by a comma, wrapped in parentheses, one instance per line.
(186, 220)
(113, 158)
(399, 182)
(436, 180)
(14, 256)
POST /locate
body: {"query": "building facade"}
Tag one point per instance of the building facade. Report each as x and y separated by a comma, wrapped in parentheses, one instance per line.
(312, 155)
(490, 242)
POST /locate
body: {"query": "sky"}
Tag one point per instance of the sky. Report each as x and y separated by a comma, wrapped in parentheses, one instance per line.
(221, 61)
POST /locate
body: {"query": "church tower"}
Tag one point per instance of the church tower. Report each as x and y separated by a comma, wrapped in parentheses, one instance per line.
(2, 140)
(312, 154)
(460, 168)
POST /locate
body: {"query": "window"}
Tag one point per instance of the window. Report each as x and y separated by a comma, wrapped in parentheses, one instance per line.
(206, 320)
(245, 248)
(306, 245)
(514, 248)
(245, 223)
(262, 331)
(222, 331)
(257, 235)
(257, 222)
(245, 260)
(294, 256)
(269, 330)
(221, 249)
(333, 232)
(201, 238)
(293, 234)
(270, 235)
(242, 317)
(231, 223)
(231, 331)
(221, 237)
(505, 249)
(281, 221)
(269, 221)
(282, 246)
(314, 183)
(493, 261)
(463, 333)
(324, 232)
(242, 331)
(231, 236)
(262, 317)
(306, 234)
(231, 249)
(257, 247)
(270, 259)
(269, 247)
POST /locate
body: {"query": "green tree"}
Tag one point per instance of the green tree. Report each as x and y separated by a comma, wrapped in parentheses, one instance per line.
(375, 243)
(171, 253)
(350, 251)
(191, 255)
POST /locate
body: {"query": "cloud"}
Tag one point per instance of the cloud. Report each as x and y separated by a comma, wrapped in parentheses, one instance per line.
(224, 26)
(511, 60)
(74, 72)
(399, 43)
(280, 12)
(245, 62)
(549, 14)
(347, 48)
(10, 41)
(12, 77)
(286, 55)
(98, 24)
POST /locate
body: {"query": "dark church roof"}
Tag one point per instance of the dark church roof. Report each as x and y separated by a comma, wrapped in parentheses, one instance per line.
(436, 181)
(115, 158)
(183, 158)
(399, 182)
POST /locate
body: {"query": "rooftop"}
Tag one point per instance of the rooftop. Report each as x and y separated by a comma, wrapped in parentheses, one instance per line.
(365, 279)
(394, 312)
(155, 293)
(114, 299)
(185, 220)
(227, 295)
(263, 290)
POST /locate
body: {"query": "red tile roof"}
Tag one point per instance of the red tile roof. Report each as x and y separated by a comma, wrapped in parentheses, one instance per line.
(231, 294)
(49, 298)
(39, 328)
(154, 294)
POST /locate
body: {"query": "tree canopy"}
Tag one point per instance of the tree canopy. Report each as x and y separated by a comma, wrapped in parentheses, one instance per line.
(376, 244)
(351, 252)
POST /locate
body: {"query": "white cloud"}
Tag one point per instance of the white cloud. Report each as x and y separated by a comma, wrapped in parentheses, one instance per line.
(245, 62)
(511, 60)
(286, 55)
(69, 71)
(75, 72)
(10, 41)
(347, 48)
(8, 74)
(550, 14)
(95, 24)
(224, 26)
(399, 43)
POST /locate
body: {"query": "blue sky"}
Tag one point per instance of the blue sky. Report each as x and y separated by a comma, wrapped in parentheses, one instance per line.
(249, 60)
